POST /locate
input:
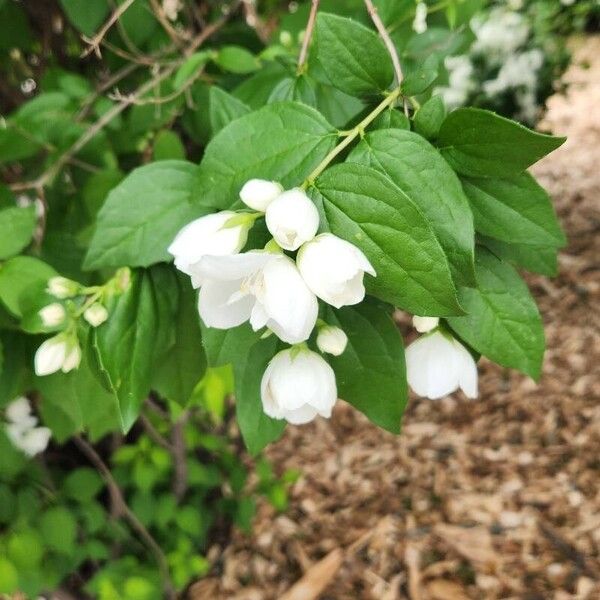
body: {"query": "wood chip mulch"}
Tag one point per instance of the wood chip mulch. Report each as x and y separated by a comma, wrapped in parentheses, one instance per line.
(497, 498)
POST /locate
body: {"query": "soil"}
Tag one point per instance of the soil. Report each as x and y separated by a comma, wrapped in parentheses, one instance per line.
(486, 499)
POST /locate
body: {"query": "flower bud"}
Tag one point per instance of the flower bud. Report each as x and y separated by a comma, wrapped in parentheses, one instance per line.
(331, 340)
(259, 193)
(52, 315)
(19, 412)
(298, 385)
(61, 287)
(419, 24)
(292, 219)
(96, 314)
(437, 365)
(208, 236)
(425, 324)
(333, 269)
(60, 352)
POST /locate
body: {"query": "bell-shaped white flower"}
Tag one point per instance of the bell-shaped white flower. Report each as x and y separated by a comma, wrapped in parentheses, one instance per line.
(96, 314)
(61, 287)
(425, 324)
(333, 269)
(293, 219)
(259, 193)
(52, 314)
(437, 365)
(218, 234)
(21, 428)
(331, 340)
(298, 385)
(58, 353)
(262, 287)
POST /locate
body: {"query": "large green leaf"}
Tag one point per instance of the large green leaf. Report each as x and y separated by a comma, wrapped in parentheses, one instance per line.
(514, 210)
(424, 176)
(86, 16)
(249, 355)
(502, 320)
(142, 215)
(16, 229)
(371, 373)
(352, 56)
(362, 206)
(283, 141)
(537, 259)
(480, 143)
(223, 108)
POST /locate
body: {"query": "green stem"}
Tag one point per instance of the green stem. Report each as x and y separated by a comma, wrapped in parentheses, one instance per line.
(351, 135)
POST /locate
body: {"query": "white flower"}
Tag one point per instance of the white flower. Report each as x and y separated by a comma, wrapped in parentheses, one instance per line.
(19, 412)
(52, 315)
(297, 386)
(60, 352)
(425, 324)
(259, 193)
(292, 219)
(265, 288)
(499, 34)
(22, 430)
(437, 365)
(420, 21)
(211, 235)
(96, 314)
(333, 269)
(332, 340)
(460, 81)
(61, 287)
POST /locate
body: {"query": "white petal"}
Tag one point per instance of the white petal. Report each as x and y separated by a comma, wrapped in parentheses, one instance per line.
(300, 416)
(332, 340)
(425, 324)
(50, 356)
(230, 268)
(35, 440)
(215, 307)
(259, 193)
(467, 371)
(18, 410)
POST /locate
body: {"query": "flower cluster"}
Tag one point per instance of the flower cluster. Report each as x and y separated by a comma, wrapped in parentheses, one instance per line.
(22, 428)
(277, 291)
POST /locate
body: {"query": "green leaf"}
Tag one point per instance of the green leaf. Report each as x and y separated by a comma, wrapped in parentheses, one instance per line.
(502, 320)
(168, 146)
(58, 528)
(429, 118)
(249, 355)
(18, 277)
(365, 208)
(302, 89)
(142, 215)
(223, 109)
(420, 79)
(391, 118)
(353, 57)
(374, 354)
(82, 484)
(86, 16)
(514, 210)
(184, 364)
(125, 345)
(421, 173)
(537, 259)
(16, 229)
(480, 143)
(9, 577)
(282, 142)
(190, 68)
(236, 59)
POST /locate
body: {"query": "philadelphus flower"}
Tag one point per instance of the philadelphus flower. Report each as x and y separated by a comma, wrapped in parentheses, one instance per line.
(52, 315)
(437, 365)
(420, 21)
(331, 340)
(21, 428)
(293, 219)
(297, 386)
(96, 314)
(61, 287)
(259, 193)
(265, 288)
(59, 353)
(208, 236)
(425, 324)
(333, 269)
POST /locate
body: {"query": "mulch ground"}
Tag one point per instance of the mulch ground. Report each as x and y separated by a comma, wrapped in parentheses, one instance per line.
(487, 499)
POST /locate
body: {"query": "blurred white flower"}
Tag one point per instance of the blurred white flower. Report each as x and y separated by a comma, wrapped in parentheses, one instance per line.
(19, 411)
(21, 428)
(425, 324)
(419, 24)
(259, 193)
(331, 340)
(265, 288)
(437, 365)
(52, 314)
(96, 314)
(298, 385)
(460, 81)
(333, 269)
(61, 287)
(293, 219)
(499, 34)
(58, 353)
(211, 235)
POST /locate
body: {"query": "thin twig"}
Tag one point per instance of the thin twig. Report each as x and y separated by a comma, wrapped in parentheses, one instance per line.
(310, 25)
(154, 434)
(122, 509)
(175, 36)
(179, 457)
(94, 42)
